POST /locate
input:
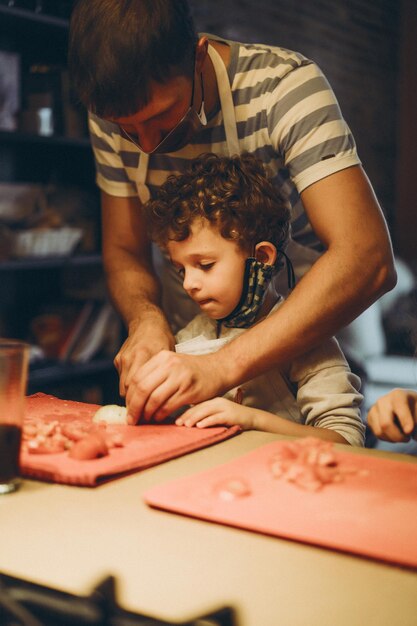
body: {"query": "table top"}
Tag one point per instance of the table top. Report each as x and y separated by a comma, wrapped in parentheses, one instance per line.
(176, 568)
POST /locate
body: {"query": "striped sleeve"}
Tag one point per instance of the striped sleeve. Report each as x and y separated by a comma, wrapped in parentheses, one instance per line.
(307, 128)
(111, 174)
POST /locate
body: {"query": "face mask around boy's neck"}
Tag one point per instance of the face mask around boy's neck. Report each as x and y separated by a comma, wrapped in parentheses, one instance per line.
(256, 280)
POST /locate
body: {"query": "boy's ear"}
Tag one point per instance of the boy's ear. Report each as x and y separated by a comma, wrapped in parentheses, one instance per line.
(266, 252)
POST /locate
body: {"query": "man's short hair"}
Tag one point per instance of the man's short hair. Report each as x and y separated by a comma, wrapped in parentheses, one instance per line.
(116, 47)
(232, 193)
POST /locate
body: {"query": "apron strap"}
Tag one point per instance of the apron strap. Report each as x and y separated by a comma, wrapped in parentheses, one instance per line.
(226, 101)
(229, 121)
(141, 173)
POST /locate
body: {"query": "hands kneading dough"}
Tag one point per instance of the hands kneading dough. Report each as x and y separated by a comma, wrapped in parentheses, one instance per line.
(111, 414)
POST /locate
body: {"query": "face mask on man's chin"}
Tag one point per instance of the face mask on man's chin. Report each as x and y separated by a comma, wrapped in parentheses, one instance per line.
(180, 136)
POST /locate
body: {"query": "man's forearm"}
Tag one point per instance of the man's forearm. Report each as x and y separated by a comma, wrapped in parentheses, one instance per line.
(127, 257)
(135, 292)
(329, 296)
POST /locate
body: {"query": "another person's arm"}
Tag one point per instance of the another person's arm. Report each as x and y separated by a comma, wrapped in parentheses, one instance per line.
(356, 269)
(133, 285)
(394, 416)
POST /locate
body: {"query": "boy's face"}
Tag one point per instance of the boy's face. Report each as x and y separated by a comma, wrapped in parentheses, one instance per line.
(212, 268)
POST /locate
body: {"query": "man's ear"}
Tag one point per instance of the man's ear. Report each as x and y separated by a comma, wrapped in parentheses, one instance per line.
(266, 252)
(201, 52)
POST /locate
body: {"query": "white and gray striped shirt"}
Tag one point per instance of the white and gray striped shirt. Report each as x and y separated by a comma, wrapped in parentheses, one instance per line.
(286, 115)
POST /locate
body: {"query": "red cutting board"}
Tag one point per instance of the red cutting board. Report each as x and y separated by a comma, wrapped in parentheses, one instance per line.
(144, 445)
(373, 514)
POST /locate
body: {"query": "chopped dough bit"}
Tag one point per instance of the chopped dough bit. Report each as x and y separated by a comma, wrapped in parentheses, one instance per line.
(309, 464)
(80, 440)
(92, 446)
(233, 489)
(111, 414)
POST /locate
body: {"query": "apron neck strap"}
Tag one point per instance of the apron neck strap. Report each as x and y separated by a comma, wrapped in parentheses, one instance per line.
(141, 173)
(226, 101)
(229, 121)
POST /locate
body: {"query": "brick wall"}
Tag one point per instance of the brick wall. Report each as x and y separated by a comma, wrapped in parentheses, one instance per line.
(355, 42)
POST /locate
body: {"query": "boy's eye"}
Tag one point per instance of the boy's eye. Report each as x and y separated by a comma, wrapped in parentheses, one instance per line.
(206, 266)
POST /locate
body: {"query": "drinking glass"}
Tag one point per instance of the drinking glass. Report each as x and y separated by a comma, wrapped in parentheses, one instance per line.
(14, 357)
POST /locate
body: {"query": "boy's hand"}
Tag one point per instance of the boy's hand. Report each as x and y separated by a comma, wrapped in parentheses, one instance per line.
(216, 412)
(169, 381)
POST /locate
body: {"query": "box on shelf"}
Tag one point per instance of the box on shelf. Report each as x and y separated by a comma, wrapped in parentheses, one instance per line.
(44, 242)
(76, 332)
(19, 201)
(9, 89)
(47, 220)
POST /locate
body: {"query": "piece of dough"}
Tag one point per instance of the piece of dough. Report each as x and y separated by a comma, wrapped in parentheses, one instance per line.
(111, 414)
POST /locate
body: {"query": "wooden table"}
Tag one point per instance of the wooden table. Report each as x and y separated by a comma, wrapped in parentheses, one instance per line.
(173, 567)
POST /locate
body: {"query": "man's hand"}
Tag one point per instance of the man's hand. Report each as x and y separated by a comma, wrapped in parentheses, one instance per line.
(144, 341)
(394, 416)
(216, 412)
(169, 381)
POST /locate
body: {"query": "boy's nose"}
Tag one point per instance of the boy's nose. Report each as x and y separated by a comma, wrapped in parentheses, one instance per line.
(190, 282)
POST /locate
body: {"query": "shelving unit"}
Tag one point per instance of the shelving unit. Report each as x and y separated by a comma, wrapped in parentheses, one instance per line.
(17, 137)
(26, 157)
(50, 262)
(16, 15)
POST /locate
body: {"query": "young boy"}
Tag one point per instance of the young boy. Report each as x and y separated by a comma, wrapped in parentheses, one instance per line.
(225, 229)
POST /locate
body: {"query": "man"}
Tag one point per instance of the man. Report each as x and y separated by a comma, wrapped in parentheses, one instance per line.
(159, 95)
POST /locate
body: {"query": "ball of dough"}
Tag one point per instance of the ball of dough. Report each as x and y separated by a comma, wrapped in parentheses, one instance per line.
(111, 414)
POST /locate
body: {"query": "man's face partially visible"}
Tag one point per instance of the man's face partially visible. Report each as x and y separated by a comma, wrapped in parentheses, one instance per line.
(169, 120)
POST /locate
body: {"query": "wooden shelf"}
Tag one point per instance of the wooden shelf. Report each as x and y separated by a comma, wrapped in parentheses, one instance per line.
(52, 373)
(52, 262)
(28, 284)
(16, 14)
(7, 136)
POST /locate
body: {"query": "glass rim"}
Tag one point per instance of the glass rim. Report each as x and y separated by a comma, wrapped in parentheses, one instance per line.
(13, 344)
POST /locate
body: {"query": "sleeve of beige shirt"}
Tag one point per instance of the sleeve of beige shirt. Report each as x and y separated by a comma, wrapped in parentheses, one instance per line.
(328, 392)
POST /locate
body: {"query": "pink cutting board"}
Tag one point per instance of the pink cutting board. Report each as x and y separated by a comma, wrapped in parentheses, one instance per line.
(373, 515)
(144, 445)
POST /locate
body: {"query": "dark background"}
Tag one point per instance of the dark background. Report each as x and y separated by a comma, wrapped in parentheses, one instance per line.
(368, 51)
(366, 48)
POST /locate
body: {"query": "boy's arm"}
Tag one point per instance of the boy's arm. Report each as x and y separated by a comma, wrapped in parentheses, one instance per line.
(328, 392)
(220, 411)
(356, 268)
(276, 424)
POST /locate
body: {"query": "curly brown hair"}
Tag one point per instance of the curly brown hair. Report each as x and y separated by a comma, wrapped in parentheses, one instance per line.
(232, 193)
